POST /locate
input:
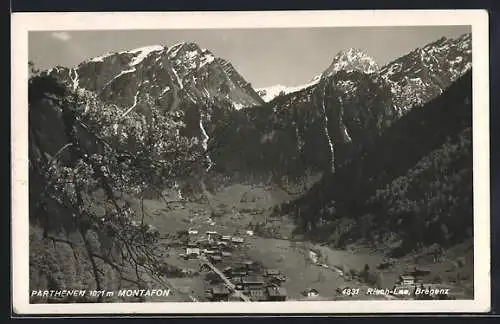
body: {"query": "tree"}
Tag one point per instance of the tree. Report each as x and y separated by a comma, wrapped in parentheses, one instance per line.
(113, 153)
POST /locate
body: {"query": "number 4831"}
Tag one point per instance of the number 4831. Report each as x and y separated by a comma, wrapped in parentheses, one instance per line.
(350, 291)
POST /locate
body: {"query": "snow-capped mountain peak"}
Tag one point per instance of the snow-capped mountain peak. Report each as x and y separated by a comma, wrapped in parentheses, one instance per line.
(139, 53)
(352, 59)
(169, 76)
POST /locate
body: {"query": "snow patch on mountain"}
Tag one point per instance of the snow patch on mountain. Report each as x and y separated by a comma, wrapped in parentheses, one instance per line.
(269, 93)
(75, 79)
(162, 93)
(173, 50)
(143, 52)
(100, 58)
(179, 81)
(119, 75)
(205, 144)
(133, 106)
(206, 59)
(325, 127)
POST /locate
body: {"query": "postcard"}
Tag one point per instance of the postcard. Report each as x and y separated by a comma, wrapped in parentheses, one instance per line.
(308, 162)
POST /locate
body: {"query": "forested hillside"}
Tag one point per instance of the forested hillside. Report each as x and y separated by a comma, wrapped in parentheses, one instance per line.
(413, 182)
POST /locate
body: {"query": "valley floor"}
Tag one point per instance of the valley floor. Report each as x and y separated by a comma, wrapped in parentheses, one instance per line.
(304, 264)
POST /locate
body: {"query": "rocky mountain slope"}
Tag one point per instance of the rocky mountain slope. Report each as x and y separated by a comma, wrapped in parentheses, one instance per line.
(302, 128)
(426, 72)
(170, 76)
(352, 101)
(411, 185)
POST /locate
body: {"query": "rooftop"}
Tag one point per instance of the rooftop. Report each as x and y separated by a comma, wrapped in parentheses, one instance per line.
(253, 279)
(272, 271)
(407, 277)
(311, 290)
(276, 291)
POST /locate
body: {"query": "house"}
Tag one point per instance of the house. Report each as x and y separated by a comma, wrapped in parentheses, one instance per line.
(226, 254)
(238, 282)
(226, 248)
(192, 244)
(253, 266)
(215, 258)
(253, 282)
(239, 273)
(248, 264)
(249, 233)
(219, 293)
(227, 270)
(237, 240)
(310, 292)
(192, 251)
(278, 279)
(222, 244)
(226, 238)
(272, 272)
(276, 293)
(407, 280)
(192, 232)
(256, 294)
(210, 252)
(212, 235)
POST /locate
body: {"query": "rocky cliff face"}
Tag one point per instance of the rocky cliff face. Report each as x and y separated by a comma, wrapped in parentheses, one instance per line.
(170, 76)
(426, 72)
(182, 78)
(355, 99)
(315, 126)
(410, 185)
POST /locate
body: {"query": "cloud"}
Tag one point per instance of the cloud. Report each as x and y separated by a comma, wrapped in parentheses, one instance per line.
(62, 36)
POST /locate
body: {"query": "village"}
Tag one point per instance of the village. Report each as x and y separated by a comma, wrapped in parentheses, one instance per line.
(228, 274)
(221, 257)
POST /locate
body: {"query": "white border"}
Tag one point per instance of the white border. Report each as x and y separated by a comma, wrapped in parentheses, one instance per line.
(24, 22)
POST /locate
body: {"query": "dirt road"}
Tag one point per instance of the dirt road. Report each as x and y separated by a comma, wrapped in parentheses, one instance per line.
(226, 280)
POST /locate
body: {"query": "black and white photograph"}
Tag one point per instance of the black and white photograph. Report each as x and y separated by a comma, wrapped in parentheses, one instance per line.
(250, 162)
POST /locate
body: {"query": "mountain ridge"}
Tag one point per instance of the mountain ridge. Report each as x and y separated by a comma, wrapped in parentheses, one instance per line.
(351, 100)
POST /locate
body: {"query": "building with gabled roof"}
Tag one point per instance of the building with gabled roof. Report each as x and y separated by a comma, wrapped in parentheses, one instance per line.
(272, 272)
(257, 294)
(237, 240)
(253, 281)
(218, 293)
(276, 293)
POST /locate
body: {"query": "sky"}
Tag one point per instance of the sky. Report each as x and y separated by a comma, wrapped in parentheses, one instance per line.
(264, 57)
